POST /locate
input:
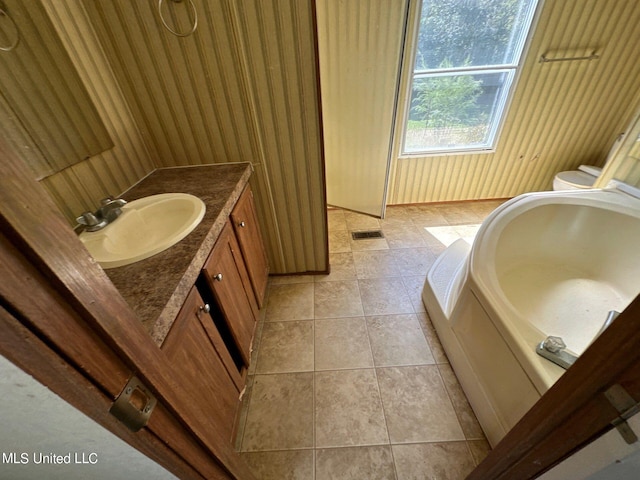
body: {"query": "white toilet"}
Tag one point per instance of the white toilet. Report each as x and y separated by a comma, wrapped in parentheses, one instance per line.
(584, 177)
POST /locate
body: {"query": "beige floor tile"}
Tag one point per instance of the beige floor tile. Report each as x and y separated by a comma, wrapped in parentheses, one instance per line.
(426, 215)
(339, 241)
(336, 220)
(355, 463)
(414, 285)
(468, 232)
(384, 296)
(398, 340)
(375, 264)
(448, 234)
(342, 268)
(466, 417)
(342, 343)
(290, 302)
(413, 261)
(280, 413)
(416, 405)
(244, 410)
(368, 244)
(395, 213)
(287, 279)
(457, 213)
(433, 241)
(337, 299)
(359, 221)
(479, 450)
(348, 409)
(485, 207)
(433, 461)
(286, 347)
(403, 235)
(432, 338)
(398, 219)
(281, 465)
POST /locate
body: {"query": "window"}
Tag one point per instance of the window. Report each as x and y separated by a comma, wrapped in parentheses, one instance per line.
(467, 55)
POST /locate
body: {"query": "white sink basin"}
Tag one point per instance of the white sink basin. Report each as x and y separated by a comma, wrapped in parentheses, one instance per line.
(146, 226)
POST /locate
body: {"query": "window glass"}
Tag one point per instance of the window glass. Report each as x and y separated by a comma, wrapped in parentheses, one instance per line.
(467, 54)
(455, 111)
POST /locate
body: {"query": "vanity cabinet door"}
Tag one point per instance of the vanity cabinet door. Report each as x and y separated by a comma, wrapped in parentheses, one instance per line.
(227, 278)
(245, 224)
(197, 351)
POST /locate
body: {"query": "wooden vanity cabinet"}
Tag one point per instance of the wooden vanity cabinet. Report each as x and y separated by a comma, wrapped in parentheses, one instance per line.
(247, 230)
(226, 276)
(210, 340)
(197, 350)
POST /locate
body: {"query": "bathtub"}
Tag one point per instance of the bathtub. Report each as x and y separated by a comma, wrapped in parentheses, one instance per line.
(549, 263)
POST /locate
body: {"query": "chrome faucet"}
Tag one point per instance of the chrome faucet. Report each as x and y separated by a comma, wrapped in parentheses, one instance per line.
(109, 210)
(553, 348)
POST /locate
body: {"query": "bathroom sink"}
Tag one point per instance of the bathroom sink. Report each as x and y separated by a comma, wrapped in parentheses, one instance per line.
(146, 227)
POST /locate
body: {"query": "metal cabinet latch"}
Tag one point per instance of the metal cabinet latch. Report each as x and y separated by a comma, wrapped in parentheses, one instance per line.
(134, 405)
(627, 407)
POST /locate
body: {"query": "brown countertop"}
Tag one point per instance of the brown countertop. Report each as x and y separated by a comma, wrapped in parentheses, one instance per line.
(156, 288)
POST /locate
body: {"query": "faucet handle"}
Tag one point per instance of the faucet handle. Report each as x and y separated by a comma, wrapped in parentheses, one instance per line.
(110, 201)
(88, 219)
(553, 344)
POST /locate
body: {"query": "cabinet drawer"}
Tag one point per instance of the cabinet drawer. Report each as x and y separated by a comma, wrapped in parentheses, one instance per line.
(245, 225)
(227, 277)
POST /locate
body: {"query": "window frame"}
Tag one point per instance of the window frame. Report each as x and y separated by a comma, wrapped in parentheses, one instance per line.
(503, 103)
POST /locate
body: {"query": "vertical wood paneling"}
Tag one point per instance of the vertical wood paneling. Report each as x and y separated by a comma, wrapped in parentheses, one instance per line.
(360, 45)
(41, 87)
(80, 187)
(278, 44)
(241, 88)
(562, 114)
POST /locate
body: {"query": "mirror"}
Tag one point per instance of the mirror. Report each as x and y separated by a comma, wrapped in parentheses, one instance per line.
(625, 164)
(45, 109)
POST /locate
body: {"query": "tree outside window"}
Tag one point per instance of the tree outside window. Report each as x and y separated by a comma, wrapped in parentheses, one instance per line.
(466, 58)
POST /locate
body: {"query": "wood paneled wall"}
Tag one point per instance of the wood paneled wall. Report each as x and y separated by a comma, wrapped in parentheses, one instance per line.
(244, 88)
(43, 98)
(562, 114)
(80, 187)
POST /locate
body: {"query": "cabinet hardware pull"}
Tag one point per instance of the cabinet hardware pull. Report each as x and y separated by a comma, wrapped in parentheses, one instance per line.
(242, 224)
(218, 277)
(205, 308)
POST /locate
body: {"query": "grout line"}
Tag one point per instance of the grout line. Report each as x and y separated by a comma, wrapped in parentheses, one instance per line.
(417, 313)
(384, 410)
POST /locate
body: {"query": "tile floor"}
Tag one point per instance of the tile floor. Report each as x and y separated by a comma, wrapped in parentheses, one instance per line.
(349, 380)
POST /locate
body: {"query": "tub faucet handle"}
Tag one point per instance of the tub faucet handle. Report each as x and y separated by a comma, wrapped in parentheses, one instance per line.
(553, 349)
(554, 344)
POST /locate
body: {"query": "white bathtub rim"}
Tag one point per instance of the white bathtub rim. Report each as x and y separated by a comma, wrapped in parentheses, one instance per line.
(519, 331)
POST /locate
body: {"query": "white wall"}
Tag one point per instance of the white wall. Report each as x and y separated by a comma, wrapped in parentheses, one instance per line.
(607, 458)
(35, 421)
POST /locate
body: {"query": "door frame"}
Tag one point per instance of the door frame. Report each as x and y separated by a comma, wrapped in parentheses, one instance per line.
(57, 293)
